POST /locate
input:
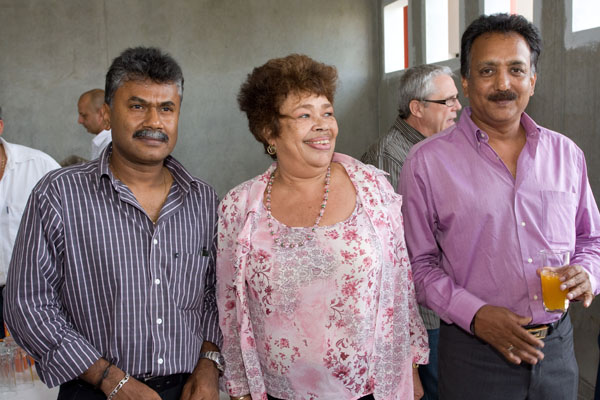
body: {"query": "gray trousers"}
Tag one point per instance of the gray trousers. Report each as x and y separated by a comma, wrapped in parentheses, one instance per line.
(471, 369)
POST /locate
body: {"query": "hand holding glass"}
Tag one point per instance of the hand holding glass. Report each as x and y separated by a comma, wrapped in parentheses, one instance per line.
(555, 300)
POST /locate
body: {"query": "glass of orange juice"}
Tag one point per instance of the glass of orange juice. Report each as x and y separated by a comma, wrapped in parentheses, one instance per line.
(555, 300)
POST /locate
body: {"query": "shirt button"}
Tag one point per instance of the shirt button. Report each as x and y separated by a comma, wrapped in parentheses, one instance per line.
(155, 241)
(159, 321)
(535, 297)
(530, 260)
(160, 361)
(157, 281)
(523, 223)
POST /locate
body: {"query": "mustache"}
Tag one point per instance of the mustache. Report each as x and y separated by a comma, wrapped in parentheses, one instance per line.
(504, 95)
(151, 134)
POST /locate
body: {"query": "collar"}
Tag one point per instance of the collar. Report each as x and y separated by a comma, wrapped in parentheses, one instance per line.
(258, 187)
(100, 137)
(180, 175)
(13, 155)
(410, 133)
(477, 135)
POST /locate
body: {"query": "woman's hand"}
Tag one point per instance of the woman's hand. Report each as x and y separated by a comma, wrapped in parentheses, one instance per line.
(417, 387)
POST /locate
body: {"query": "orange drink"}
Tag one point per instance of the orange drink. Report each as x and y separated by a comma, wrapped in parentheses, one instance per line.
(555, 300)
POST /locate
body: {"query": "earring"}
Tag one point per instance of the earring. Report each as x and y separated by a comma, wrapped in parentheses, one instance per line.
(271, 150)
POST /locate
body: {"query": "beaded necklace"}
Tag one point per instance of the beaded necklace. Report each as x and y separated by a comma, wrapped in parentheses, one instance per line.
(309, 236)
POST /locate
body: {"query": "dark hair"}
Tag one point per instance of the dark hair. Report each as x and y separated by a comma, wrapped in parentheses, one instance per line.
(140, 64)
(417, 84)
(499, 23)
(267, 87)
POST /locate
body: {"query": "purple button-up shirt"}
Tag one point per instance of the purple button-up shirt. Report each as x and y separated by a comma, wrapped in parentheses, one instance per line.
(474, 232)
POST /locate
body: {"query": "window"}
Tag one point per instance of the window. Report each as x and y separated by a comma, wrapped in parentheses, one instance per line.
(522, 7)
(585, 15)
(395, 35)
(441, 27)
(583, 24)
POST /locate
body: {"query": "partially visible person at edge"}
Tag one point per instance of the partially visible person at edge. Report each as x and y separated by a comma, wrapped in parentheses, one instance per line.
(111, 287)
(481, 200)
(428, 103)
(314, 288)
(597, 391)
(20, 169)
(95, 118)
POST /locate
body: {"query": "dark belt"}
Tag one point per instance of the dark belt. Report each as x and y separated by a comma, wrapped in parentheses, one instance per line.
(161, 383)
(157, 383)
(540, 331)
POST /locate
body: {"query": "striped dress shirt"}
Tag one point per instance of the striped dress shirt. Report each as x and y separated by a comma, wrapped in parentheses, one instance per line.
(92, 276)
(388, 154)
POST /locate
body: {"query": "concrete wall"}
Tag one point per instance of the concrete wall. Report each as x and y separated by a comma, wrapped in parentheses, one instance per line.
(53, 50)
(567, 99)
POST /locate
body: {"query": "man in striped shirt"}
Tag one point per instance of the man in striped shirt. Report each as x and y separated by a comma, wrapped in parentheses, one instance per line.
(428, 104)
(111, 287)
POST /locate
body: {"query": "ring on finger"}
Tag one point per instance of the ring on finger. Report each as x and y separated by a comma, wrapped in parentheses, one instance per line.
(510, 348)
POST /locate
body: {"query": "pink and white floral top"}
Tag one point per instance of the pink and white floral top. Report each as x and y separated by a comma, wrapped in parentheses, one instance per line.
(333, 319)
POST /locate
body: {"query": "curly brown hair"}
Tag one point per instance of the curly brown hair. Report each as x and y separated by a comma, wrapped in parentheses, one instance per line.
(267, 87)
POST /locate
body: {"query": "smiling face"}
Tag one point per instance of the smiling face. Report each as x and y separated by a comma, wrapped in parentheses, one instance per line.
(144, 117)
(437, 117)
(501, 80)
(307, 133)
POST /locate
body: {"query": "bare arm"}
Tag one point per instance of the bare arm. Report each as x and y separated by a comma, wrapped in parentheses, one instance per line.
(133, 389)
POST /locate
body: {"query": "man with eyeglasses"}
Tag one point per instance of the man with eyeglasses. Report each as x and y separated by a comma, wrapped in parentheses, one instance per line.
(428, 104)
(480, 201)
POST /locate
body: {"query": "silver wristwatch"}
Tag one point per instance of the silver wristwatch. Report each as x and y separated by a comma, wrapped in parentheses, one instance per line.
(215, 357)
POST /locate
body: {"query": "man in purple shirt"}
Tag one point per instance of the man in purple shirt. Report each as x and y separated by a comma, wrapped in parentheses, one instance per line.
(481, 200)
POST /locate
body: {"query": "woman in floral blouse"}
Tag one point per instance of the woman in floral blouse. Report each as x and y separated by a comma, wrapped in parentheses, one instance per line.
(315, 293)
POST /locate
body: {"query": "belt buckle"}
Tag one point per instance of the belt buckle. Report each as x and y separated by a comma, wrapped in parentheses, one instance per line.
(539, 332)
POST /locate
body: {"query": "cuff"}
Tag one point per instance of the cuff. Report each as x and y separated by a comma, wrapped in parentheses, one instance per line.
(463, 310)
(68, 361)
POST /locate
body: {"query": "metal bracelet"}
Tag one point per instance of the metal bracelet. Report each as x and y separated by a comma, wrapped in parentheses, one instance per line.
(244, 397)
(121, 383)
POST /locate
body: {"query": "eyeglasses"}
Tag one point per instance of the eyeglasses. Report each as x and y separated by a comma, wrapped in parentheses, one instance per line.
(449, 102)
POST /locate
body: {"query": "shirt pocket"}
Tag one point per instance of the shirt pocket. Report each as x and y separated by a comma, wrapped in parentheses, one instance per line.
(15, 213)
(186, 280)
(558, 217)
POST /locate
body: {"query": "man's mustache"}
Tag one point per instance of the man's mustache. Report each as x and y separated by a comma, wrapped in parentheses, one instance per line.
(501, 96)
(151, 134)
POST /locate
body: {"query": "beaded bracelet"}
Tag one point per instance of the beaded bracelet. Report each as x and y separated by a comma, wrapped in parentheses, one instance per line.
(104, 375)
(118, 387)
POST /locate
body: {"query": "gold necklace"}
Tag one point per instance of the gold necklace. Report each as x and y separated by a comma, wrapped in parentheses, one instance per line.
(3, 162)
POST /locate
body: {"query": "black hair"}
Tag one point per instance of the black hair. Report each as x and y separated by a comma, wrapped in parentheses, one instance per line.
(139, 64)
(499, 23)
